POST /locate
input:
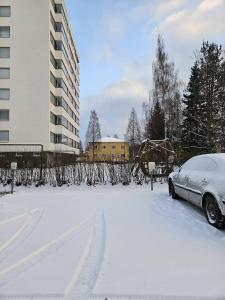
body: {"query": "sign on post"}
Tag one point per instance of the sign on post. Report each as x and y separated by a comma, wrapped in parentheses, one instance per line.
(151, 168)
(13, 165)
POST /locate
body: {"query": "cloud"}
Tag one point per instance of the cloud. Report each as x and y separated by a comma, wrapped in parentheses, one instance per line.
(155, 9)
(209, 5)
(195, 22)
(113, 26)
(114, 103)
(103, 53)
(166, 7)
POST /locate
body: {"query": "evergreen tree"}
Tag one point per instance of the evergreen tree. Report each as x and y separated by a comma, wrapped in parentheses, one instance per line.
(210, 62)
(204, 120)
(133, 133)
(93, 131)
(222, 106)
(192, 131)
(157, 123)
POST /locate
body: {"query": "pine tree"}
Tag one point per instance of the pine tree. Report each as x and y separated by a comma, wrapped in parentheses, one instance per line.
(157, 122)
(203, 127)
(93, 131)
(210, 61)
(192, 131)
(133, 133)
(222, 106)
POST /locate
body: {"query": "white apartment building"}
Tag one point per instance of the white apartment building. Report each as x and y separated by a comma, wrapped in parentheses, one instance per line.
(39, 76)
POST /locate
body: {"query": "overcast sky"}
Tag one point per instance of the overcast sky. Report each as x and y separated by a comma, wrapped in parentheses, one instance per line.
(116, 40)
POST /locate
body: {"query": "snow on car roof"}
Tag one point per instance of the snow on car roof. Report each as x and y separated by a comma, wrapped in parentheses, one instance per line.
(216, 156)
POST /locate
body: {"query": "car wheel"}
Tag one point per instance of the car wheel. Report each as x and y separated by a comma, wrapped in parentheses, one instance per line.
(213, 213)
(172, 190)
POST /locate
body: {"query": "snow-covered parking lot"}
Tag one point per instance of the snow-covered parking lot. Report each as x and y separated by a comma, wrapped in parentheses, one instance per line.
(104, 242)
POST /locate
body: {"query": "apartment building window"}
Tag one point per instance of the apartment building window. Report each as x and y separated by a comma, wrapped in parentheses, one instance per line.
(53, 80)
(4, 73)
(4, 115)
(4, 31)
(4, 135)
(4, 94)
(5, 11)
(4, 52)
(52, 138)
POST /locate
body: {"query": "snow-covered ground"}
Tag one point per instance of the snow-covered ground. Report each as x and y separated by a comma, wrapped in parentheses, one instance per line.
(104, 242)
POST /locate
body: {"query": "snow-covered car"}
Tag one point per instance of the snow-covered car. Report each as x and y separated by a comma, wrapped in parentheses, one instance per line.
(201, 180)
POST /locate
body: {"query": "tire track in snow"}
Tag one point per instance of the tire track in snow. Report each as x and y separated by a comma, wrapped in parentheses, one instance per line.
(13, 269)
(34, 216)
(91, 262)
(74, 279)
(13, 219)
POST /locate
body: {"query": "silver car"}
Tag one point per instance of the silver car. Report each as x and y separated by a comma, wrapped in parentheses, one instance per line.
(201, 180)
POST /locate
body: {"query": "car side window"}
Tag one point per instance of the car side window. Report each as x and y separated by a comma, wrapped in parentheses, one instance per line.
(200, 164)
(189, 165)
(205, 164)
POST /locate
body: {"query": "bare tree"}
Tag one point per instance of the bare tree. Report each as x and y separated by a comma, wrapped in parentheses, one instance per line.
(93, 131)
(133, 133)
(166, 91)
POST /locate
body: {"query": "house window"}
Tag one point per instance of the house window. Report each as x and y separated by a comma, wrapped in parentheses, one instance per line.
(4, 52)
(113, 147)
(4, 31)
(104, 147)
(5, 11)
(4, 115)
(113, 156)
(122, 156)
(4, 94)
(122, 147)
(4, 73)
(104, 156)
(4, 135)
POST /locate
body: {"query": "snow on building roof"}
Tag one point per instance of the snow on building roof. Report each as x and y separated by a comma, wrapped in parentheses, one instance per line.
(110, 140)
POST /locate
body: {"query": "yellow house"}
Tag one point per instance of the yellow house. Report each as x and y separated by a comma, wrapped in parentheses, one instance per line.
(109, 149)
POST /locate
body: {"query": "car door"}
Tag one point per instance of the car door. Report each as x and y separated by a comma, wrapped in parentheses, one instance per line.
(199, 179)
(182, 178)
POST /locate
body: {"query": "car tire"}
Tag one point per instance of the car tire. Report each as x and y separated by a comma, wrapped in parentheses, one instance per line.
(172, 190)
(213, 212)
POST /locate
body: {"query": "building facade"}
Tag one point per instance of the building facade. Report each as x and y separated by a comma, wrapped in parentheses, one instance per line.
(109, 149)
(39, 76)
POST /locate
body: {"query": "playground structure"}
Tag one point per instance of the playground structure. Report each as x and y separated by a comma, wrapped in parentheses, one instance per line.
(158, 151)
